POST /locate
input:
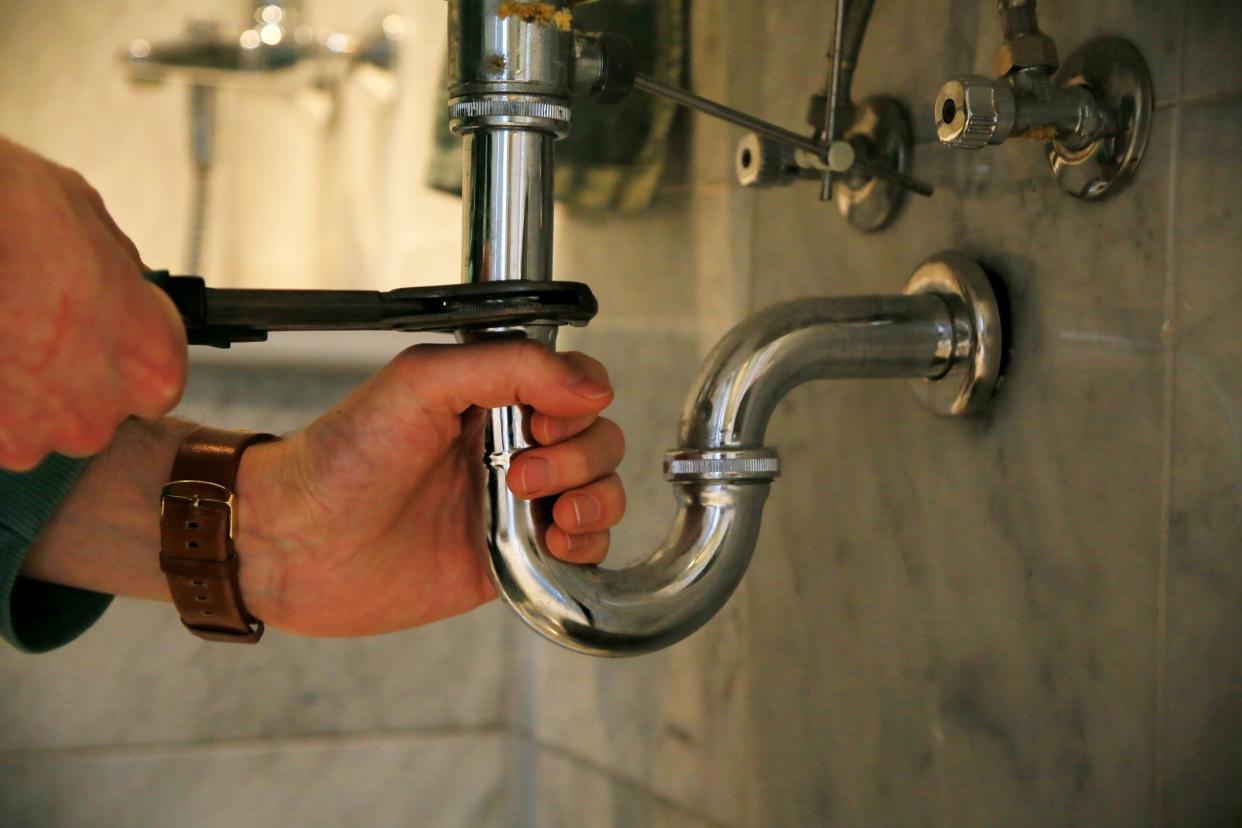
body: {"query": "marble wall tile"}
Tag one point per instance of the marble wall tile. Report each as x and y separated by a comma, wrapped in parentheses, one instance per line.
(1203, 686)
(1213, 32)
(722, 53)
(673, 722)
(952, 623)
(420, 780)
(569, 791)
(721, 228)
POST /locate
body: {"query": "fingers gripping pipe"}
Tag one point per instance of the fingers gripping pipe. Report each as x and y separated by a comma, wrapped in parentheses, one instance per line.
(945, 331)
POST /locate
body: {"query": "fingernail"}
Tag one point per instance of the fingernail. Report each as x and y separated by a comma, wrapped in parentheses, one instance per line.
(590, 388)
(572, 542)
(553, 430)
(536, 475)
(586, 509)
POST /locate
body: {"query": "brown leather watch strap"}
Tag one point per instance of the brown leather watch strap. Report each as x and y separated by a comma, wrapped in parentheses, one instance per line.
(197, 523)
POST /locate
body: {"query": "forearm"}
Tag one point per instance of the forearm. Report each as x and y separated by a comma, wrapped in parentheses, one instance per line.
(106, 534)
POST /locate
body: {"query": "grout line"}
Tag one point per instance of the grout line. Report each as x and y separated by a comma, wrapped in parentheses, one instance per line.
(1169, 335)
(612, 774)
(249, 743)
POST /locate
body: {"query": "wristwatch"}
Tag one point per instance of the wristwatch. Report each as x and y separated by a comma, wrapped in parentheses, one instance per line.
(198, 522)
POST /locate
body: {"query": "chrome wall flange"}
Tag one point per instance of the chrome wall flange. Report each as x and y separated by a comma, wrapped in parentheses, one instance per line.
(1117, 75)
(882, 127)
(979, 338)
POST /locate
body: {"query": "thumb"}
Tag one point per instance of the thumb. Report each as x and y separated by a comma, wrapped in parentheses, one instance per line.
(153, 354)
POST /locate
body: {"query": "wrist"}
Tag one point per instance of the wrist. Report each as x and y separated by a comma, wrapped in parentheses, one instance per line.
(261, 561)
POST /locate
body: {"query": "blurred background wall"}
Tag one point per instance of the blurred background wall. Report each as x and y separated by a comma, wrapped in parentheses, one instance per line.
(1028, 619)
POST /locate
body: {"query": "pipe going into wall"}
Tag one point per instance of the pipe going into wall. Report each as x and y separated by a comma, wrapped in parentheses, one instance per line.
(509, 81)
(721, 471)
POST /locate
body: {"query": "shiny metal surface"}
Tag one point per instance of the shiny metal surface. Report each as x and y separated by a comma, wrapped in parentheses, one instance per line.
(973, 111)
(490, 52)
(1024, 46)
(1095, 112)
(979, 339)
(721, 464)
(871, 194)
(849, 26)
(832, 105)
(863, 164)
(762, 162)
(1117, 77)
(507, 205)
(509, 82)
(676, 589)
(277, 49)
(507, 111)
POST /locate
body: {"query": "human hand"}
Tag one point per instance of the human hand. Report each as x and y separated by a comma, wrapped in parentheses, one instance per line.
(370, 520)
(86, 340)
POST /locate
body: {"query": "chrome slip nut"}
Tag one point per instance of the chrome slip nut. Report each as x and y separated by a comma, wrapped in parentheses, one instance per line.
(721, 464)
(1024, 51)
(762, 162)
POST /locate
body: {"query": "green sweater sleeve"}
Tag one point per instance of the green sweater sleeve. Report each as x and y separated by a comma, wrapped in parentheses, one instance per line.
(36, 616)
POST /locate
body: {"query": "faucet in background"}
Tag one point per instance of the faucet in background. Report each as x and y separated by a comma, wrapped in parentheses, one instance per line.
(274, 47)
(870, 144)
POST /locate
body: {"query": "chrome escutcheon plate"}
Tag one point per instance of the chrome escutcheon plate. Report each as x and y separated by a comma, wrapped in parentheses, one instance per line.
(1118, 76)
(967, 388)
(871, 204)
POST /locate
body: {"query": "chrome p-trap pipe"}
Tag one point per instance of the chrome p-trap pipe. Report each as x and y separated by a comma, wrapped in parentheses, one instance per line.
(509, 84)
(944, 334)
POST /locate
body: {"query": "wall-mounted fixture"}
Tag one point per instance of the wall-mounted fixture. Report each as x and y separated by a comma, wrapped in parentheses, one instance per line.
(1094, 111)
(273, 45)
(275, 49)
(864, 149)
(860, 153)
